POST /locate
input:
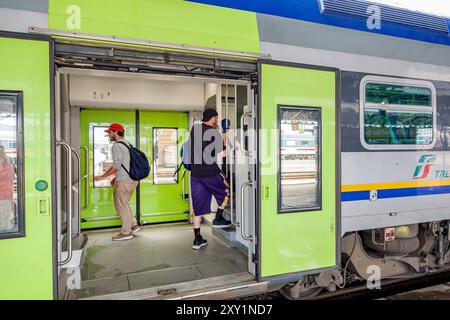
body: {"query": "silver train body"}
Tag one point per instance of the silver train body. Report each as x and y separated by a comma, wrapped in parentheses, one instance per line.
(359, 55)
(380, 192)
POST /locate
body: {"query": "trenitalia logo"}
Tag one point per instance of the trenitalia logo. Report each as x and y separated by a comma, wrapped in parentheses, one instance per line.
(423, 166)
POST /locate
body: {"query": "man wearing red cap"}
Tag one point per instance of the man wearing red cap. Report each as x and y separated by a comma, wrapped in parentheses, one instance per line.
(123, 185)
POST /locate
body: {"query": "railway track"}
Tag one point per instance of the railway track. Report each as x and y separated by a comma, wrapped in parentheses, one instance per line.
(388, 288)
(361, 292)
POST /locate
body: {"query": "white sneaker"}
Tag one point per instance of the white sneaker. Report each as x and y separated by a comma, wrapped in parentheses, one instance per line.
(135, 229)
(122, 237)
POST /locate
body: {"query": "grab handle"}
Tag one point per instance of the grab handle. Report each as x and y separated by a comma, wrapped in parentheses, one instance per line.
(243, 234)
(68, 149)
(77, 155)
(183, 184)
(243, 150)
(86, 177)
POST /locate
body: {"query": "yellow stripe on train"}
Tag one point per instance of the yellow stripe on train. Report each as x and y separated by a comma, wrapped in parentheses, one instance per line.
(395, 185)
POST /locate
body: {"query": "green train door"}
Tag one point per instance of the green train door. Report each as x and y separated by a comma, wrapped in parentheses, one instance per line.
(26, 233)
(298, 205)
(98, 209)
(163, 195)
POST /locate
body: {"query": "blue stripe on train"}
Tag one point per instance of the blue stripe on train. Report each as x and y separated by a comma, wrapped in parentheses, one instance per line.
(394, 193)
(308, 10)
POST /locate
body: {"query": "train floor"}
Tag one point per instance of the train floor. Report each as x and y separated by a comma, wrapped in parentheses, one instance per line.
(158, 255)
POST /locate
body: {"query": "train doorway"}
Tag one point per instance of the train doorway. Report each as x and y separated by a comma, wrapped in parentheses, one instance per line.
(163, 196)
(97, 210)
(157, 112)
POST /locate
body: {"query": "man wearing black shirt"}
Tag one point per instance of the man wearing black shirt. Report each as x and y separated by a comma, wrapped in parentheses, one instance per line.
(207, 179)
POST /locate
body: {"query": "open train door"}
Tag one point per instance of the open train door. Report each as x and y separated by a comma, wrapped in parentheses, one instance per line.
(26, 219)
(298, 166)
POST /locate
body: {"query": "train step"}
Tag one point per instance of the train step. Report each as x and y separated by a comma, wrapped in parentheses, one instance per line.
(223, 287)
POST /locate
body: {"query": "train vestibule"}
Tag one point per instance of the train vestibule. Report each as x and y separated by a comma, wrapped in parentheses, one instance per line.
(157, 114)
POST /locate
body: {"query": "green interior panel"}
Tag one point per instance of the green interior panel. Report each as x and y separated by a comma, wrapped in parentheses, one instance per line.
(162, 202)
(100, 202)
(172, 21)
(296, 241)
(26, 268)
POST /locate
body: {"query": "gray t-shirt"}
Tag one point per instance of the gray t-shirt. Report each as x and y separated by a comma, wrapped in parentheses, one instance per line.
(121, 156)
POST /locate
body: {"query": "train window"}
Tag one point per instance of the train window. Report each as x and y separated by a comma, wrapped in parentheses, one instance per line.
(103, 159)
(12, 216)
(165, 155)
(382, 93)
(300, 161)
(397, 113)
(398, 127)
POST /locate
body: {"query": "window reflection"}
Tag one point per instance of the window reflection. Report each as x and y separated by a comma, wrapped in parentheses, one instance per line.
(397, 114)
(383, 93)
(103, 159)
(9, 217)
(299, 152)
(398, 127)
(165, 155)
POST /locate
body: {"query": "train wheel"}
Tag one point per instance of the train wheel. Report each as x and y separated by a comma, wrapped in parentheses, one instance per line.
(304, 295)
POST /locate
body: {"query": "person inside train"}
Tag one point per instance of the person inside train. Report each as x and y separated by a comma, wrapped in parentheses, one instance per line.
(123, 185)
(207, 179)
(7, 176)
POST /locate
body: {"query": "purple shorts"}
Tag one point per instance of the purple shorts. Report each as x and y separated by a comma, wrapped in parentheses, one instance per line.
(202, 190)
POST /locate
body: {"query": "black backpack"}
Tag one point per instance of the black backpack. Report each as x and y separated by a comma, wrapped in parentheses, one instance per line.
(139, 166)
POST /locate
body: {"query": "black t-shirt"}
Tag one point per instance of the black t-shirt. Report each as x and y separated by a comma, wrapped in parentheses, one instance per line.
(206, 142)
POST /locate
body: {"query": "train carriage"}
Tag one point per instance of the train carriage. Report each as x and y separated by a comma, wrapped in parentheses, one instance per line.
(337, 145)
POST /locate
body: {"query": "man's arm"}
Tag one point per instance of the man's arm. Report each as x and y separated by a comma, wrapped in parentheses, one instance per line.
(105, 175)
(117, 162)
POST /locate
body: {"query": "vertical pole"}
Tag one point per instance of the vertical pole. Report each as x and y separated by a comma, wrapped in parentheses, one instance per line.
(226, 117)
(138, 189)
(233, 157)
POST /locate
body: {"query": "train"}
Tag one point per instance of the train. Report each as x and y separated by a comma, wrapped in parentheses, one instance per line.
(338, 154)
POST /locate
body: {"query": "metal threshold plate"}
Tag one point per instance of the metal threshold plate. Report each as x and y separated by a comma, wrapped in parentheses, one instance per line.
(222, 287)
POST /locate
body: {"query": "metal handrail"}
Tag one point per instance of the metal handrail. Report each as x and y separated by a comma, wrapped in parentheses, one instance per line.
(244, 115)
(183, 183)
(77, 155)
(69, 203)
(226, 117)
(86, 177)
(233, 161)
(233, 222)
(243, 235)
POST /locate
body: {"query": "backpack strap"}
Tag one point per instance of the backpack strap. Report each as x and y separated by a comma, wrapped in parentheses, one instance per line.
(129, 147)
(126, 145)
(184, 173)
(176, 172)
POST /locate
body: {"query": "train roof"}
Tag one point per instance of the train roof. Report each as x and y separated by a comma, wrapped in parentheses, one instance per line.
(330, 33)
(351, 14)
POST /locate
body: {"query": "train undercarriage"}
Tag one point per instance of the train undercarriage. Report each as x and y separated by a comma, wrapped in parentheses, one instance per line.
(370, 256)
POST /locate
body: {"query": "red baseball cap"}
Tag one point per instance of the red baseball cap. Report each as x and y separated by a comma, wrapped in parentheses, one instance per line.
(115, 127)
